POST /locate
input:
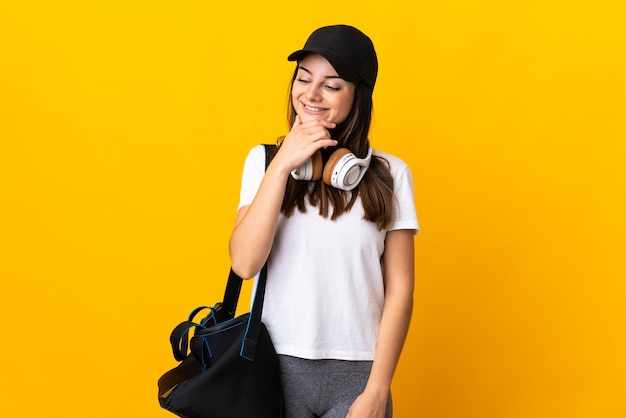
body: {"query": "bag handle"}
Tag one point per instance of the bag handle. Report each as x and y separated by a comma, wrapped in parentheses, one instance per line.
(226, 310)
(199, 346)
(249, 343)
(250, 338)
(233, 286)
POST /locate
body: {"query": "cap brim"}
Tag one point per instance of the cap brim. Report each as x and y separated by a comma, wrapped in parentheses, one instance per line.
(297, 55)
(344, 71)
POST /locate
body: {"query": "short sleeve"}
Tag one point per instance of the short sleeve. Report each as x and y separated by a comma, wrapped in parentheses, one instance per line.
(404, 214)
(253, 172)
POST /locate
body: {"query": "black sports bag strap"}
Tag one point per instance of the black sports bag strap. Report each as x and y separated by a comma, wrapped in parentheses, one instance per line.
(226, 310)
(270, 153)
(248, 346)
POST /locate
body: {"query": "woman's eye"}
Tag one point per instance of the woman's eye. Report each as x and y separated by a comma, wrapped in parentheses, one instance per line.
(302, 80)
(332, 88)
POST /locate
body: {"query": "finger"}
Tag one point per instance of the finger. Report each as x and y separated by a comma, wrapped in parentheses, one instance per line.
(297, 121)
(317, 133)
(325, 143)
(319, 122)
(317, 127)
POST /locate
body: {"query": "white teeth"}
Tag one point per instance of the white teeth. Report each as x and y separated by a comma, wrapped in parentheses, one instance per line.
(314, 109)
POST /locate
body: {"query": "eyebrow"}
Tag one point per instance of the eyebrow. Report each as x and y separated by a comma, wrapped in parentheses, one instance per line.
(308, 71)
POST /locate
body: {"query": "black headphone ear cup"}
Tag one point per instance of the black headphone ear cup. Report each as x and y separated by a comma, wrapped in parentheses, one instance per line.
(316, 162)
(332, 162)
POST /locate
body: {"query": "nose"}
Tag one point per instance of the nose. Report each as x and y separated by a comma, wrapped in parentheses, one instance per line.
(313, 93)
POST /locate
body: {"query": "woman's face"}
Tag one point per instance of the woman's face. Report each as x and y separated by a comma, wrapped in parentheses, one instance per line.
(319, 93)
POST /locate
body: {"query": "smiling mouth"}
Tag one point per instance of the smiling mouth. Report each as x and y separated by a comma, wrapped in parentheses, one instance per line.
(313, 109)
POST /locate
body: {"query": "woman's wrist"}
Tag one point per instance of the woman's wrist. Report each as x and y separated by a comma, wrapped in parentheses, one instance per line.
(277, 169)
(377, 389)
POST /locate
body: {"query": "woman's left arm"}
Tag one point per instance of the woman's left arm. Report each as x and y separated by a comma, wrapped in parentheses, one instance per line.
(398, 276)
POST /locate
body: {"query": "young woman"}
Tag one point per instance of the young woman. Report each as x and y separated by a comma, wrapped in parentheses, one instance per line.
(340, 273)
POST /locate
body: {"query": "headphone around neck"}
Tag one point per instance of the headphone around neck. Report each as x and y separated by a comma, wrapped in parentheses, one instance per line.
(343, 170)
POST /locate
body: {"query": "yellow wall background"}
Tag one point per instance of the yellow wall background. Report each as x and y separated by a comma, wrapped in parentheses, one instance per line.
(123, 129)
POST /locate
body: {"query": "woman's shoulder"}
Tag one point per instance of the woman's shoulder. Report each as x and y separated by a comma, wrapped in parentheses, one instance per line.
(396, 164)
(256, 155)
(257, 150)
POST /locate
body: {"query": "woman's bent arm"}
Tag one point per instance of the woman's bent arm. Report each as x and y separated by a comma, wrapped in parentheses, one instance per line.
(255, 225)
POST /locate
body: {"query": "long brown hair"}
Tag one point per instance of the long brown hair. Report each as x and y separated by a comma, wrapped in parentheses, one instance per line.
(376, 187)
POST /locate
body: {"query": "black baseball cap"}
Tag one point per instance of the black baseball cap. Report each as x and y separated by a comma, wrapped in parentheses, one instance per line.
(349, 51)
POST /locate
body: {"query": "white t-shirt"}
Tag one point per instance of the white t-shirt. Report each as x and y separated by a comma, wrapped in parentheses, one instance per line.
(324, 292)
